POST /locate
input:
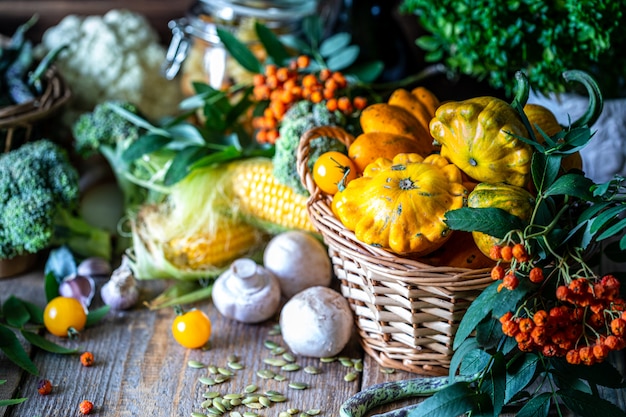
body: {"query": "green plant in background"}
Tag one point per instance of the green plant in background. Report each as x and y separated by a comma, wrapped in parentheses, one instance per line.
(491, 40)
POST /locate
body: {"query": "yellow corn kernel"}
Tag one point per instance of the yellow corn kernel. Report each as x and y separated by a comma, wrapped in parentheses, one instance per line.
(258, 194)
(204, 251)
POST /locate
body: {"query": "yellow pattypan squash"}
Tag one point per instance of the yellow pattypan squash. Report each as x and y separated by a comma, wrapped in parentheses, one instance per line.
(400, 204)
(479, 136)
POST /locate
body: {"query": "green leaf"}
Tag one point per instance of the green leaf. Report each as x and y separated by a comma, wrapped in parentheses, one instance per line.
(43, 343)
(618, 227)
(604, 218)
(588, 405)
(229, 153)
(508, 300)
(494, 383)
(477, 311)
(13, 401)
(135, 119)
(51, 286)
(343, 59)
(520, 372)
(489, 333)
(312, 29)
(454, 400)
(145, 145)
(544, 170)
(96, 315)
(537, 406)
(603, 374)
(60, 263)
(575, 185)
(182, 164)
(36, 312)
(474, 362)
(465, 348)
(184, 134)
(493, 221)
(367, 72)
(334, 44)
(428, 43)
(239, 51)
(274, 48)
(14, 350)
(15, 312)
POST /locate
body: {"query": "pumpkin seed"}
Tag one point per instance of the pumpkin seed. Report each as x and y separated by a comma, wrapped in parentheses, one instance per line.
(265, 374)
(387, 370)
(250, 399)
(358, 366)
(284, 414)
(206, 403)
(250, 388)
(289, 357)
(218, 404)
(303, 415)
(206, 380)
(212, 369)
(250, 414)
(232, 358)
(350, 376)
(266, 402)
(211, 394)
(235, 414)
(233, 396)
(279, 377)
(278, 350)
(196, 364)
(235, 402)
(298, 385)
(328, 360)
(221, 378)
(279, 398)
(290, 367)
(312, 370)
(214, 411)
(293, 411)
(224, 371)
(313, 411)
(347, 363)
(274, 361)
(270, 344)
(254, 405)
(272, 392)
(235, 365)
(193, 414)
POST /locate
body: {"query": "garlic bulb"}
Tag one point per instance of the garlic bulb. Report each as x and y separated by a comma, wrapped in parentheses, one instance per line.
(246, 292)
(121, 292)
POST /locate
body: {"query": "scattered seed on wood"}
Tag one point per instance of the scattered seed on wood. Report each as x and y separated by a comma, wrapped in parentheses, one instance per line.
(218, 404)
(303, 415)
(350, 376)
(312, 370)
(270, 344)
(293, 411)
(265, 374)
(206, 380)
(211, 394)
(212, 369)
(347, 363)
(194, 414)
(274, 362)
(387, 370)
(233, 396)
(254, 405)
(250, 388)
(206, 403)
(278, 350)
(298, 385)
(224, 371)
(290, 367)
(235, 402)
(221, 378)
(284, 414)
(232, 358)
(214, 411)
(235, 414)
(272, 392)
(235, 365)
(196, 364)
(266, 402)
(279, 377)
(313, 411)
(274, 331)
(279, 398)
(250, 414)
(289, 357)
(328, 360)
(358, 366)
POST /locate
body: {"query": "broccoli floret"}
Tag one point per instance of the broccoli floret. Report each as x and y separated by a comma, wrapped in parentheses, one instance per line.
(39, 196)
(106, 131)
(301, 117)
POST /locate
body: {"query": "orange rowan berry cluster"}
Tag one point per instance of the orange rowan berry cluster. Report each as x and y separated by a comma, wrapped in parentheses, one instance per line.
(520, 266)
(588, 322)
(284, 86)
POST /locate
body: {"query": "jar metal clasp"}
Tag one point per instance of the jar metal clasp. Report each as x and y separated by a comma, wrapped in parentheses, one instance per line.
(178, 49)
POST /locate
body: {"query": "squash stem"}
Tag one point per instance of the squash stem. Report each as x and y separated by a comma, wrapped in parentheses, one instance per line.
(522, 90)
(594, 109)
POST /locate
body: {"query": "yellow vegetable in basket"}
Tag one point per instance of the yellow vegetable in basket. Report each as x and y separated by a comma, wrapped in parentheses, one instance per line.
(400, 204)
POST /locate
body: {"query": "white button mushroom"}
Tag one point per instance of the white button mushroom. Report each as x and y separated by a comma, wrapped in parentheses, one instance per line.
(246, 292)
(317, 322)
(298, 260)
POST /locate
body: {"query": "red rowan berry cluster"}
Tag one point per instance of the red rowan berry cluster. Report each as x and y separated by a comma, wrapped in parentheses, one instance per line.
(588, 321)
(284, 86)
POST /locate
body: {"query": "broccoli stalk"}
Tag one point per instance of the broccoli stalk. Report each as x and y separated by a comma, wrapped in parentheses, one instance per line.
(39, 199)
(301, 117)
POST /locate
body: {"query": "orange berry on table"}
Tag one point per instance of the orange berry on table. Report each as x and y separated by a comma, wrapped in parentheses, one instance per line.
(85, 407)
(506, 253)
(44, 387)
(86, 359)
(536, 275)
(497, 272)
(519, 252)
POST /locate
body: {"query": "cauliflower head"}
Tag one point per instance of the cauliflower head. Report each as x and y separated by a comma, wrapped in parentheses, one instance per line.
(116, 56)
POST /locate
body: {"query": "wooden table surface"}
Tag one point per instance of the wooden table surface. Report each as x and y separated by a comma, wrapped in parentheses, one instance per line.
(141, 371)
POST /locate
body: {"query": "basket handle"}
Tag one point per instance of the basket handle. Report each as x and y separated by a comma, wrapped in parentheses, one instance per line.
(304, 149)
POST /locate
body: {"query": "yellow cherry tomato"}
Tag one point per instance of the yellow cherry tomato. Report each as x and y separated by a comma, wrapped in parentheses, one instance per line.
(333, 170)
(192, 329)
(64, 315)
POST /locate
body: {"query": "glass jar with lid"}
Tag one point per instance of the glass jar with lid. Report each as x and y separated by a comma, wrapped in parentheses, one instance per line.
(196, 53)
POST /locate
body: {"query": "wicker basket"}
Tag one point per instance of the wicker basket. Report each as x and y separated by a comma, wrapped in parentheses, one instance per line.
(23, 117)
(406, 312)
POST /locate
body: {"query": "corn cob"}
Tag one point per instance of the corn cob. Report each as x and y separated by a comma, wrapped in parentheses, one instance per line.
(259, 195)
(229, 241)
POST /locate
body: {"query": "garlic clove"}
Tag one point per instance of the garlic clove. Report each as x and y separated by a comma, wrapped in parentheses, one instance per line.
(120, 292)
(80, 287)
(94, 266)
